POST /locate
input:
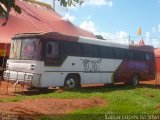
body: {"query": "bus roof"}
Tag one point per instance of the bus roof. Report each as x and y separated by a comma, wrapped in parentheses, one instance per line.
(65, 37)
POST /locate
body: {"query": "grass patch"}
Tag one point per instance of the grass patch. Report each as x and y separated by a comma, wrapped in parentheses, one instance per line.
(119, 99)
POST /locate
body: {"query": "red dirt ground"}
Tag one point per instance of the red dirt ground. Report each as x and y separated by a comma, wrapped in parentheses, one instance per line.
(49, 105)
(32, 109)
(11, 89)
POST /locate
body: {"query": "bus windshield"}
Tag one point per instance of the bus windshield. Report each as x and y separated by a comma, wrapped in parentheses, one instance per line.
(26, 49)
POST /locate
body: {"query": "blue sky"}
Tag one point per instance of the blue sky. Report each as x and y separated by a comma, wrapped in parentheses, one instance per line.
(117, 19)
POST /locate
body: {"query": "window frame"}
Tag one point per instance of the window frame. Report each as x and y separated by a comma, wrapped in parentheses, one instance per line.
(51, 61)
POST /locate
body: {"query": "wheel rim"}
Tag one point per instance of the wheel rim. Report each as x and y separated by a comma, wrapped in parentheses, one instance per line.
(70, 83)
(135, 80)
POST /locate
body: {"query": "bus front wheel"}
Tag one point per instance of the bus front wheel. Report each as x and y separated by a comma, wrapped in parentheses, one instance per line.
(135, 80)
(71, 82)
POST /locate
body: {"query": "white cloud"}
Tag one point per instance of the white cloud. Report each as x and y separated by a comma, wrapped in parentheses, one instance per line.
(119, 37)
(148, 35)
(151, 41)
(88, 25)
(99, 2)
(58, 8)
(159, 28)
(154, 42)
(69, 17)
(156, 29)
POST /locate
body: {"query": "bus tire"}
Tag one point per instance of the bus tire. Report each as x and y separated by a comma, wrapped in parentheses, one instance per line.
(135, 80)
(71, 82)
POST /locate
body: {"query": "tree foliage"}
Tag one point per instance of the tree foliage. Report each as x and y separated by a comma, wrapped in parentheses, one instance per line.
(100, 37)
(69, 3)
(7, 5)
(5, 8)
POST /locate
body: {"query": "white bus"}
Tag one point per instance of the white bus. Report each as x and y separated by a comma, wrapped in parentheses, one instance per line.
(54, 59)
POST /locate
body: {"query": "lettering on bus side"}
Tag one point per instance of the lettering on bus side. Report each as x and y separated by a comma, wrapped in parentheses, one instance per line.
(91, 65)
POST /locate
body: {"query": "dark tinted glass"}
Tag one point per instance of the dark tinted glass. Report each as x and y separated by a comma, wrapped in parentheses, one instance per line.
(90, 50)
(106, 52)
(138, 55)
(49, 49)
(96, 51)
(129, 55)
(119, 53)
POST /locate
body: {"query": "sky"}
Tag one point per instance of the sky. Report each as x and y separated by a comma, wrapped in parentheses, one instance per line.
(116, 20)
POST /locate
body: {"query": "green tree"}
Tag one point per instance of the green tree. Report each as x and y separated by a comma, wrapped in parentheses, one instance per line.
(69, 3)
(5, 8)
(7, 5)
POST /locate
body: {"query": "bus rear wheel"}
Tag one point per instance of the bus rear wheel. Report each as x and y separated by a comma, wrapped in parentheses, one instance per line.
(135, 80)
(71, 82)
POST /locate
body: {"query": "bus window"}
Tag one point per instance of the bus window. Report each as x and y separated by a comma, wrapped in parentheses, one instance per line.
(119, 53)
(78, 49)
(138, 55)
(90, 50)
(147, 57)
(106, 52)
(152, 56)
(15, 49)
(129, 55)
(49, 49)
(141, 57)
(31, 49)
(52, 53)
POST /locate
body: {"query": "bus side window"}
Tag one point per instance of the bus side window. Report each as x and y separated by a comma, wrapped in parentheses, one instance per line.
(49, 49)
(147, 57)
(90, 50)
(106, 52)
(52, 53)
(152, 56)
(139, 55)
(129, 55)
(119, 53)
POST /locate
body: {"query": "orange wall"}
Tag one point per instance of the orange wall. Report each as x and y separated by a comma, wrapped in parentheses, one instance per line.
(4, 46)
(158, 64)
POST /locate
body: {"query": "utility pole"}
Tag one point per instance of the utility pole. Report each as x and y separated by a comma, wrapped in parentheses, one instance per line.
(129, 39)
(54, 5)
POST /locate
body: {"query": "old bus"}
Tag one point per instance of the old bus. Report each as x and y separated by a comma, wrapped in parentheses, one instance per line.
(55, 59)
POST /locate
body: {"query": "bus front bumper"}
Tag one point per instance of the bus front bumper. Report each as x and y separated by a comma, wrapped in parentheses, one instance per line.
(30, 79)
